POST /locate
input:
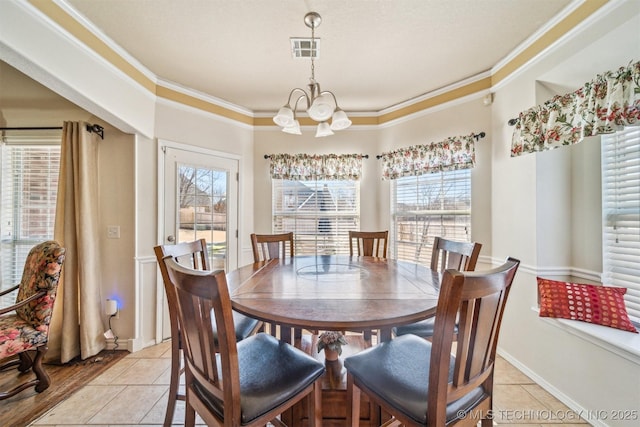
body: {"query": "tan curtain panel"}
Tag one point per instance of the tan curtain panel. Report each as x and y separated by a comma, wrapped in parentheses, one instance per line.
(603, 105)
(314, 167)
(456, 152)
(76, 324)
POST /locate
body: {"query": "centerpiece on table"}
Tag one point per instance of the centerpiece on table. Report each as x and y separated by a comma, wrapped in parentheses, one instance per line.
(331, 342)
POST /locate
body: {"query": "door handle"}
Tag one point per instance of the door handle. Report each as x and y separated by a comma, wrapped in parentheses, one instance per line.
(171, 239)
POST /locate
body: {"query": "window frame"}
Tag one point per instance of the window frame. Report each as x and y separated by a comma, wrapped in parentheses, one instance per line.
(460, 181)
(621, 215)
(340, 214)
(28, 197)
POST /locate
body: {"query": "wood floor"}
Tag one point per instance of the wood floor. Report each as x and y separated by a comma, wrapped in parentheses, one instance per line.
(25, 407)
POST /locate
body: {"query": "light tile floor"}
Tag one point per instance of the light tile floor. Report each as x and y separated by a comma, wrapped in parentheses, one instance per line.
(134, 392)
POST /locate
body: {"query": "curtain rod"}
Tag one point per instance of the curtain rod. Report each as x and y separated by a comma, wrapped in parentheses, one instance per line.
(364, 156)
(97, 129)
(477, 137)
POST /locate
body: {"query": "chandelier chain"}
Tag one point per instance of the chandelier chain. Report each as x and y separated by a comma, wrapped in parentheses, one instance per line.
(313, 53)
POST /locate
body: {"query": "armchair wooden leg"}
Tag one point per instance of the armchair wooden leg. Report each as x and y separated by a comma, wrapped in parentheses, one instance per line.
(11, 363)
(43, 378)
(25, 361)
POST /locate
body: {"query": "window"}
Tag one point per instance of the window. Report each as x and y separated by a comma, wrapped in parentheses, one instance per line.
(429, 205)
(621, 214)
(319, 213)
(28, 188)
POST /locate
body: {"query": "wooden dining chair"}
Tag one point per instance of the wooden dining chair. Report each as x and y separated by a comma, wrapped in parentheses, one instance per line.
(454, 254)
(270, 246)
(195, 255)
(420, 383)
(230, 383)
(446, 254)
(369, 243)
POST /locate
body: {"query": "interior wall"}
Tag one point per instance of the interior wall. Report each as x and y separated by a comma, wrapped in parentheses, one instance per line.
(36, 47)
(189, 126)
(116, 208)
(546, 212)
(150, 293)
(586, 201)
(569, 186)
(460, 118)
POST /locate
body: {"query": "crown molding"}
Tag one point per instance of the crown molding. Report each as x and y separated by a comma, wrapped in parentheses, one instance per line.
(574, 17)
(209, 110)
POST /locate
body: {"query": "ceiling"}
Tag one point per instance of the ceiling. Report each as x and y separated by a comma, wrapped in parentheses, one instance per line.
(374, 54)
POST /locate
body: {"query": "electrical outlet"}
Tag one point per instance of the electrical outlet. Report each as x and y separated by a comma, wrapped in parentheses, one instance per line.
(113, 232)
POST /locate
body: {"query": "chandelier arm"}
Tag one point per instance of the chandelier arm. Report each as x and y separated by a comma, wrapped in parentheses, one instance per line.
(305, 96)
(324, 92)
(293, 91)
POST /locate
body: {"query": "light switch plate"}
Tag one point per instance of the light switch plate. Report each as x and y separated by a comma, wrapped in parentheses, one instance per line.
(113, 232)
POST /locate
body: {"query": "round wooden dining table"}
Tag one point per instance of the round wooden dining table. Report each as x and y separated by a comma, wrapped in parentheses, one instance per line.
(335, 292)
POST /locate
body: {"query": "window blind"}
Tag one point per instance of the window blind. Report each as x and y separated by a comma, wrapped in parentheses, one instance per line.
(621, 214)
(319, 213)
(429, 205)
(28, 188)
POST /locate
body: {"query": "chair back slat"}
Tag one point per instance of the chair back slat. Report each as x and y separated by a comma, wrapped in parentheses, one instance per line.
(271, 246)
(369, 243)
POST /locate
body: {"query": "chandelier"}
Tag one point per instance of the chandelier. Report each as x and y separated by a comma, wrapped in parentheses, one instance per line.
(321, 105)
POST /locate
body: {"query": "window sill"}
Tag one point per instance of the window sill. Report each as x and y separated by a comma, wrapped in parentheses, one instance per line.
(624, 344)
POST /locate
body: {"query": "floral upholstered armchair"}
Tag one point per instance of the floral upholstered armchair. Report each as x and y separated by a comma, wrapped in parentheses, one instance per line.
(24, 326)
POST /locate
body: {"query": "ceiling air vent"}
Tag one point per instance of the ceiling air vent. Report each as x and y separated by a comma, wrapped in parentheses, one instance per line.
(304, 48)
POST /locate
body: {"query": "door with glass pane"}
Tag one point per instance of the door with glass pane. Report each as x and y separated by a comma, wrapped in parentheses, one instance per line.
(201, 201)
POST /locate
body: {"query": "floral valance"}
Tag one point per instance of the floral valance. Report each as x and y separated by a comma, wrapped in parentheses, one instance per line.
(603, 105)
(311, 167)
(451, 154)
